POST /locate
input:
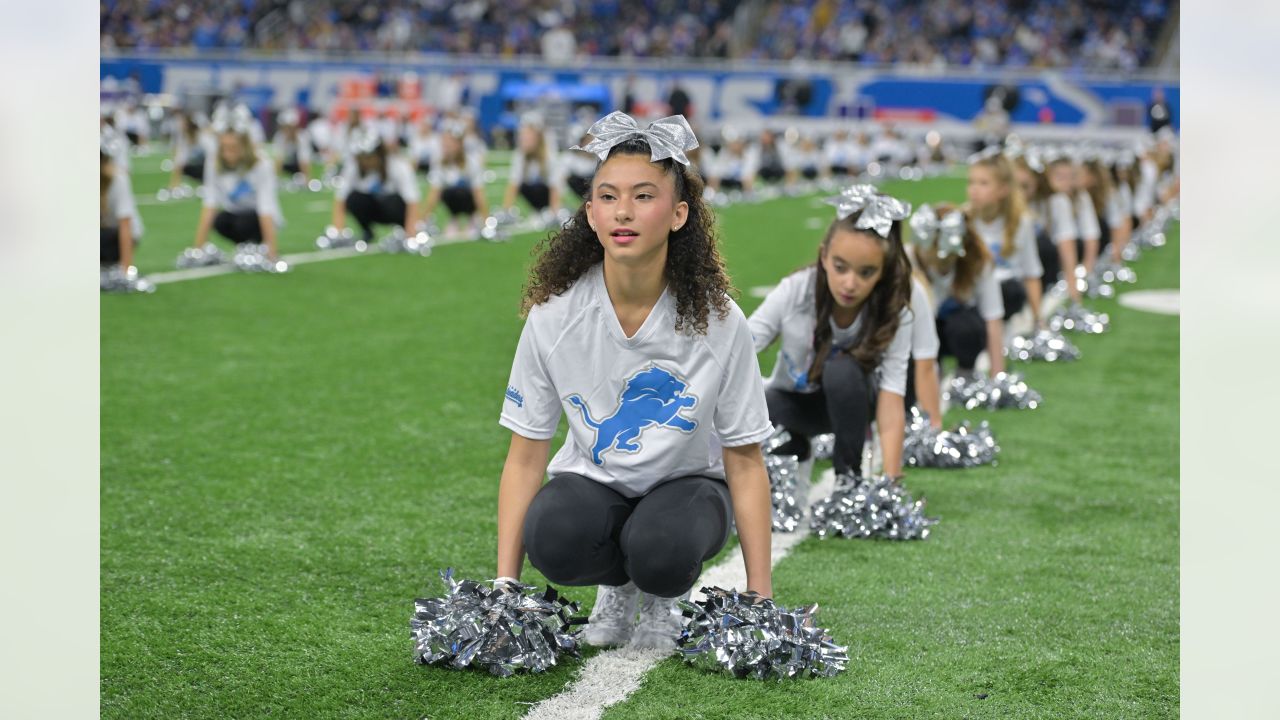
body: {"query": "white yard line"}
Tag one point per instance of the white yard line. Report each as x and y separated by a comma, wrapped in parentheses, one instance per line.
(611, 676)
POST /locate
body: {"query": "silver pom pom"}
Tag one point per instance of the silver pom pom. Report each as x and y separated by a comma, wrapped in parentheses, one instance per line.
(345, 238)
(397, 241)
(252, 257)
(194, 257)
(504, 629)
(1077, 318)
(870, 508)
(749, 636)
(1004, 391)
(964, 447)
(1045, 345)
(824, 446)
(115, 279)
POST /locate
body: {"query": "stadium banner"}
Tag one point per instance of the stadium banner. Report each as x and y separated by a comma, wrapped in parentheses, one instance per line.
(750, 94)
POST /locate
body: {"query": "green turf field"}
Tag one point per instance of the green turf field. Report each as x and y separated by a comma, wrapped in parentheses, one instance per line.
(288, 460)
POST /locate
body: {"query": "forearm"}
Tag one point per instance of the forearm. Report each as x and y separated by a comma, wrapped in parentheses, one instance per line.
(928, 394)
(1067, 258)
(482, 202)
(410, 217)
(891, 420)
(126, 243)
(752, 513)
(521, 478)
(1034, 293)
(268, 226)
(202, 227)
(339, 219)
(433, 199)
(555, 198)
(508, 197)
(995, 344)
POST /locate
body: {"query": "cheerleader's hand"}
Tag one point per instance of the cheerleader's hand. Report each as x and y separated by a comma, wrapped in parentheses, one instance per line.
(506, 584)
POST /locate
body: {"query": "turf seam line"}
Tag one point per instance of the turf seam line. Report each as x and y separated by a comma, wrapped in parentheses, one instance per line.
(611, 676)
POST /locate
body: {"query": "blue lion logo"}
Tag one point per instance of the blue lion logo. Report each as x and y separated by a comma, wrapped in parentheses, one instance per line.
(652, 396)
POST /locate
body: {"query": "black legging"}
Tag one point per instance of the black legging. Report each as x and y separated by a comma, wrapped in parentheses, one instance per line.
(580, 184)
(962, 333)
(536, 194)
(1048, 259)
(239, 227)
(459, 200)
(109, 252)
(194, 167)
(581, 532)
(844, 406)
(384, 209)
(1014, 293)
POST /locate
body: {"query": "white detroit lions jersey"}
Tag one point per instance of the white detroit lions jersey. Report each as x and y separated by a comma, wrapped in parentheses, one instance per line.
(254, 189)
(641, 410)
(788, 311)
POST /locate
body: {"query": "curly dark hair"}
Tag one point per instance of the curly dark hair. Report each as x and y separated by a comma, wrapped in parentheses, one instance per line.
(883, 307)
(695, 271)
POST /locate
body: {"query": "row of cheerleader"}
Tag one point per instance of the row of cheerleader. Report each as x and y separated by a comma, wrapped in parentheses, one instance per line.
(674, 437)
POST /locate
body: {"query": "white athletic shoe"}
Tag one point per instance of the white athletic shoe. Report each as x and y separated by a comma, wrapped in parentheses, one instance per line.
(660, 623)
(614, 616)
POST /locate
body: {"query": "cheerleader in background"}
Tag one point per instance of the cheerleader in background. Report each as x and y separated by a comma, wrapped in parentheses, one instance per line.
(967, 303)
(240, 200)
(735, 166)
(457, 177)
(1112, 219)
(923, 378)
(1071, 183)
(580, 166)
(536, 174)
(1122, 183)
(292, 145)
(842, 156)
(1053, 205)
(423, 145)
(805, 160)
(188, 151)
(773, 158)
(999, 214)
(377, 186)
(120, 226)
(846, 334)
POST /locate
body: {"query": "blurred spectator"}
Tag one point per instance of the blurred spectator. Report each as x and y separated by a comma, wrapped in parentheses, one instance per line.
(1117, 34)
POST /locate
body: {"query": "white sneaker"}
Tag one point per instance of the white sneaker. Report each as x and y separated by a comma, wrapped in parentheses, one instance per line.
(660, 623)
(614, 616)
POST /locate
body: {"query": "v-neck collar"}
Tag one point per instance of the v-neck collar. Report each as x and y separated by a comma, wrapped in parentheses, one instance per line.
(646, 328)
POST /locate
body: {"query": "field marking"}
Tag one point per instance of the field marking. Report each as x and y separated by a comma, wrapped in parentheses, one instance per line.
(1163, 302)
(611, 676)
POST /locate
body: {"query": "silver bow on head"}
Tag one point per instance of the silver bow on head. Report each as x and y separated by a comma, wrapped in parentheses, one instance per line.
(951, 230)
(668, 137)
(986, 153)
(878, 211)
(924, 224)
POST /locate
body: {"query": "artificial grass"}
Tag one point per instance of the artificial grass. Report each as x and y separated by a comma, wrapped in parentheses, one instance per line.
(288, 460)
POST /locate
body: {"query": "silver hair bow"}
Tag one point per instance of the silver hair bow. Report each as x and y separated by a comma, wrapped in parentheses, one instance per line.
(924, 224)
(668, 137)
(951, 230)
(986, 153)
(878, 211)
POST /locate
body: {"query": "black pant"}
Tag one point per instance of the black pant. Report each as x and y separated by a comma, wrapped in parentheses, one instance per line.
(291, 165)
(962, 333)
(459, 200)
(844, 406)
(194, 167)
(536, 194)
(109, 252)
(239, 227)
(730, 184)
(771, 173)
(1015, 296)
(384, 209)
(580, 184)
(581, 532)
(1048, 259)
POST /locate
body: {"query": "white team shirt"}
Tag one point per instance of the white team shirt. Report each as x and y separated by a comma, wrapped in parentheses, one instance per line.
(924, 330)
(300, 146)
(985, 294)
(641, 410)
(1062, 219)
(845, 153)
(238, 191)
(729, 166)
(1025, 262)
(1087, 216)
(788, 311)
(120, 205)
(578, 163)
(1120, 205)
(531, 170)
(470, 174)
(424, 147)
(400, 180)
